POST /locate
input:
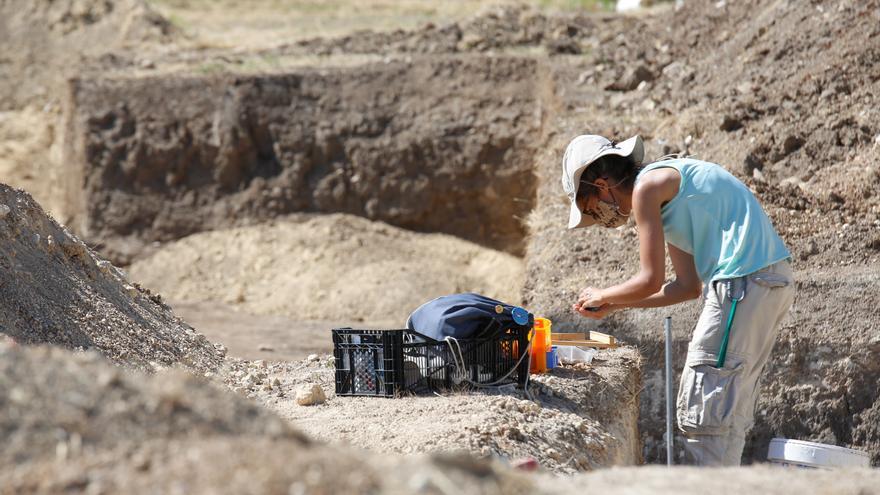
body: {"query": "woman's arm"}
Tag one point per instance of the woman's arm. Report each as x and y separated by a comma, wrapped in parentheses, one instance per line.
(687, 285)
(655, 188)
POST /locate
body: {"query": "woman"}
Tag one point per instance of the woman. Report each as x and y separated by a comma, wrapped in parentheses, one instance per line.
(721, 244)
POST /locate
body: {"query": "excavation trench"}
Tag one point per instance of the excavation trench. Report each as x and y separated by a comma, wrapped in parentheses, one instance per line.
(442, 144)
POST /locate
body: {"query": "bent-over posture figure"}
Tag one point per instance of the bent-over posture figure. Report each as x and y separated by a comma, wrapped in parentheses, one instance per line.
(722, 246)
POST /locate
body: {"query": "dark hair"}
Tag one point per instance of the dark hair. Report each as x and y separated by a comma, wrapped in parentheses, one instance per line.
(617, 169)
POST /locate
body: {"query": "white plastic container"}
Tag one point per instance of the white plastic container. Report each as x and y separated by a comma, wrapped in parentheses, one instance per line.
(568, 354)
(812, 455)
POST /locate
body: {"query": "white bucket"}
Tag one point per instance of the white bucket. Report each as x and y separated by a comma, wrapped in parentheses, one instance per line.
(801, 454)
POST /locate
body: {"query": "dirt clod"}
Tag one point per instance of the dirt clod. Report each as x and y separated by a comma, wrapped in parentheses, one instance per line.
(310, 395)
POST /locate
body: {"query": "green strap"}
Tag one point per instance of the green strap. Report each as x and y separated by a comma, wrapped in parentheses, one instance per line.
(722, 353)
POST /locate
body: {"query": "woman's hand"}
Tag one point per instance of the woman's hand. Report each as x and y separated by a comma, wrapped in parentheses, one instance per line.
(590, 297)
(590, 304)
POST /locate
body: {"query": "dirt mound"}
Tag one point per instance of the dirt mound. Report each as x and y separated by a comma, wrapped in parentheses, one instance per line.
(501, 28)
(439, 145)
(67, 404)
(327, 267)
(799, 130)
(72, 422)
(578, 418)
(55, 290)
(44, 41)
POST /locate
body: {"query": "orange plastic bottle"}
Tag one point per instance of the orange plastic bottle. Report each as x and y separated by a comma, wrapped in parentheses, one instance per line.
(540, 345)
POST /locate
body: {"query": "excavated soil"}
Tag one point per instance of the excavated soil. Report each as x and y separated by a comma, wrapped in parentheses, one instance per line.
(577, 417)
(58, 404)
(75, 423)
(45, 42)
(795, 122)
(332, 267)
(55, 290)
(174, 433)
(455, 128)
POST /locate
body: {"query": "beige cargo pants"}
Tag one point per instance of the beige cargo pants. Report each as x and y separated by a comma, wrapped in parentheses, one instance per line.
(716, 406)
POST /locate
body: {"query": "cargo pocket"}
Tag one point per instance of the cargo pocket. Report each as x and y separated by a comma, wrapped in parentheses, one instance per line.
(706, 398)
(770, 280)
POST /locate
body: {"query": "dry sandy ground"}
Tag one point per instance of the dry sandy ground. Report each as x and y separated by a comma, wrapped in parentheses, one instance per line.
(577, 417)
(29, 151)
(251, 336)
(327, 267)
(255, 24)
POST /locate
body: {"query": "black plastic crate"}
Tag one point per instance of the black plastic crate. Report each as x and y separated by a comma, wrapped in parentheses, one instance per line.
(388, 363)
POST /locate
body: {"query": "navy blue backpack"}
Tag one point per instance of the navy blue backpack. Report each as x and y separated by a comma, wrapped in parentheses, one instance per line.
(465, 316)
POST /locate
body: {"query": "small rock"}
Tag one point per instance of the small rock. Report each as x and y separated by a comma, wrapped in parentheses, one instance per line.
(730, 123)
(806, 253)
(792, 144)
(471, 40)
(266, 348)
(4, 211)
(752, 162)
(131, 290)
(632, 78)
(313, 357)
(553, 454)
(310, 395)
(105, 266)
(792, 181)
(221, 349)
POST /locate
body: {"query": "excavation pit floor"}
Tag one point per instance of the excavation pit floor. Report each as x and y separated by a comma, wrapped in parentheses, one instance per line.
(581, 417)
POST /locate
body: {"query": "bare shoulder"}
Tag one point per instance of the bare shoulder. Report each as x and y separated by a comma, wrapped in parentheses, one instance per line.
(660, 184)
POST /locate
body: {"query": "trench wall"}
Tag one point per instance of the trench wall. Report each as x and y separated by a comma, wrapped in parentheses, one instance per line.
(441, 145)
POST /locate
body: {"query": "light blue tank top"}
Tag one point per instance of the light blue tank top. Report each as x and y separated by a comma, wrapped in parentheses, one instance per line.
(718, 220)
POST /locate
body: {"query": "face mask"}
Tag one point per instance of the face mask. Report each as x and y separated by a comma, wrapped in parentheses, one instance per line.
(607, 215)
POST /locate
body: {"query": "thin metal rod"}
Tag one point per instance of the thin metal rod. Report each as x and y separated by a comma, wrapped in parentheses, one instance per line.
(669, 440)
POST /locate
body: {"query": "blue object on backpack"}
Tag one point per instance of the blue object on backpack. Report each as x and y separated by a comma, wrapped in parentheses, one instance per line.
(467, 315)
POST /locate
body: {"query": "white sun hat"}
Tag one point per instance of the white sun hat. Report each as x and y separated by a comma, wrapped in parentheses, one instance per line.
(579, 154)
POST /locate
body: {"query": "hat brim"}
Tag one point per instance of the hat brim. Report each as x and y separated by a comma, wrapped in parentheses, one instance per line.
(576, 218)
(634, 147)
